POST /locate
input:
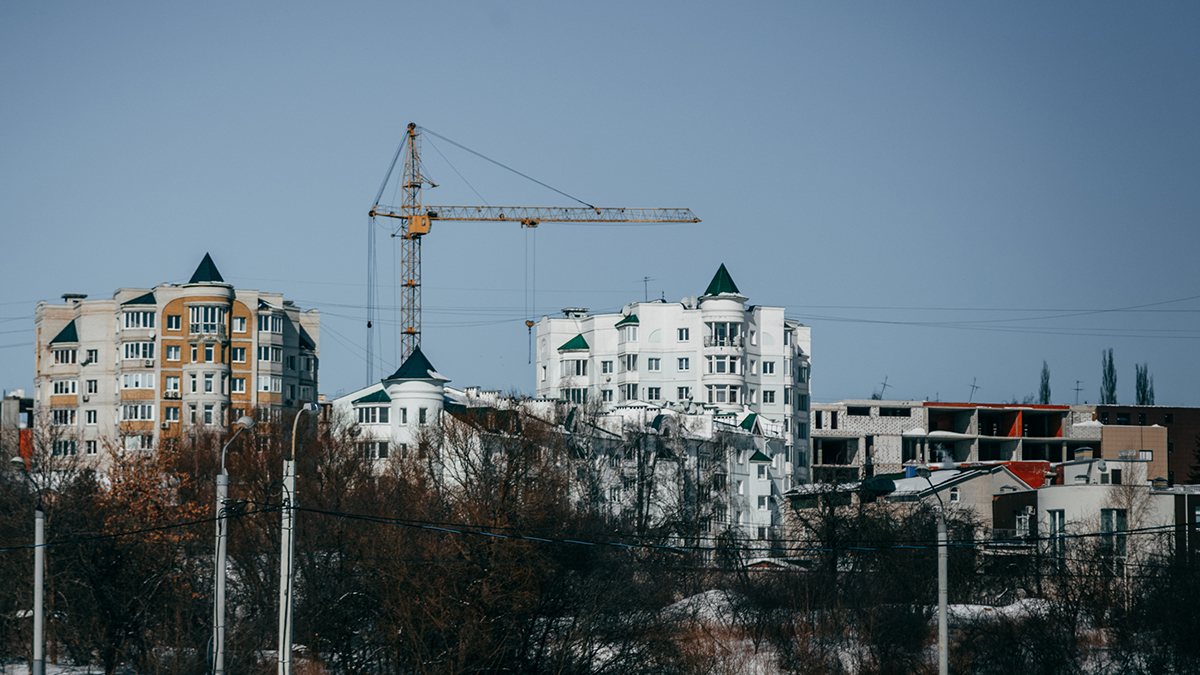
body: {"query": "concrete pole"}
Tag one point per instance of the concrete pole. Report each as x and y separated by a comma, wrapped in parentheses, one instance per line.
(219, 602)
(39, 580)
(943, 597)
(287, 546)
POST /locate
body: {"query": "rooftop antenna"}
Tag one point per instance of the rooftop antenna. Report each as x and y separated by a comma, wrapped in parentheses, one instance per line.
(973, 388)
(1077, 390)
(646, 287)
(883, 386)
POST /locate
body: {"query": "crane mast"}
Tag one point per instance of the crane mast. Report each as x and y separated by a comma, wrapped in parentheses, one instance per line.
(416, 219)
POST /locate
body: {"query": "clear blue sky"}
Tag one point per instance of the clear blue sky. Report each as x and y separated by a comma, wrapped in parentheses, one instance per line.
(943, 191)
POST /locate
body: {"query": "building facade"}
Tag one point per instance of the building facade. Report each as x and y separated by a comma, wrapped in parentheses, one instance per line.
(158, 363)
(713, 351)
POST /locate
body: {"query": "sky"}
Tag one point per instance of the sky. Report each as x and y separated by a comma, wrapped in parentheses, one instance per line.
(947, 193)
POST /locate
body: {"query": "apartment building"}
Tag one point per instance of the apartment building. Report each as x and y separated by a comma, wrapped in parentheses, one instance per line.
(712, 351)
(155, 363)
(704, 470)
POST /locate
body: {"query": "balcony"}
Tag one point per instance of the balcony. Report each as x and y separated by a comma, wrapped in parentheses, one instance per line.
(217, 330)
(735, 341)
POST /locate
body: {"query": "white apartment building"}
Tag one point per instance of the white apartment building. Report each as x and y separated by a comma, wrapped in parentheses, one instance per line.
(158, 363)
(712, 471)
(713, 351)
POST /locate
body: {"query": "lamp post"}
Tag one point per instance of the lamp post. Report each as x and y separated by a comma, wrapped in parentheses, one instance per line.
(39, 573)
(287, 546)
(244, 423)
(943, 590)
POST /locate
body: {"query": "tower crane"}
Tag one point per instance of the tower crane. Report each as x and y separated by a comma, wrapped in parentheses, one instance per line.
(416, 220)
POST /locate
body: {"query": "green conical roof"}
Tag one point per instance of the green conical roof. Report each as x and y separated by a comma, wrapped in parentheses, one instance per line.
(416, 367)
(68, 334)
(575, 343)
(206, 272)
(632, 318)
(748, 423)
(760, 458)
(722, 283)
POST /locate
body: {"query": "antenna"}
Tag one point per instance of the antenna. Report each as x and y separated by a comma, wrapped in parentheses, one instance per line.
(883, 386)
(646, 287)
(973, 388)
(1077, 390)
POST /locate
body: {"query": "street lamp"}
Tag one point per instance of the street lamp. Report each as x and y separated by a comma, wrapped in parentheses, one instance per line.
(943, 591)
(39, 572)
(288, 546)
(244, 423)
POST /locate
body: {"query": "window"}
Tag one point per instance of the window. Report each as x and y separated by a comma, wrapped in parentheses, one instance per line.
(768, 394)
(954, 494)
(741, 487)
(762, 471)
(373, 414)
(753, 338)
(208, 383)
(1123, 418)
(684, 393)
(762, 502)
(64, 448)
(306, 393)
(239, 324)
(802, 374)
(606, 395)
(1113, 521)
(92, 386)
(89, 417)
(290, 362)
(64, 356)
(310, 364)
(172, 352)
(191, 414)
(1116, 476)
(272, 354)
(1142, 419)
(93, 356)
(683, 334)
(193, 360)
(802, 430)
(139, 350)
(208, 414)
(172, 383)
(753, 367)
(833, 419)
(1169, 418)
(629, 392)
(1147, 455)
(629, 363)
(816, 419)
(684, 363)
(404, 416)
(64, 386)
(722, 393)
(136, 412)
(628, 333)
(139, 319)
(421, 416)
(787, 396)
(373, 449)
(576, 395)
(543, 373)
(270, 324)
(614, 494)
(574, 367)
(208, 353)
(239, 385)
(653, 393)
(171, 414)
(654, 365)
(605, 367)
(90, 447)
(238, 354)
(787, 337)
(271, 383)
(1022, 525)
(174, 322)
(802, 401)
(1103, 418)
(206, 319)
(137, 381)
(291, 391)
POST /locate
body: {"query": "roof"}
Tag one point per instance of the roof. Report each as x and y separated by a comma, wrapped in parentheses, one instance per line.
(632, 318)
(67, 334)
(416, 367)
(722, 283)
(758, 456)
(575, 343)
(306, 341)
(146, 299)
(206, 273)
(379, 396)
(748, 423)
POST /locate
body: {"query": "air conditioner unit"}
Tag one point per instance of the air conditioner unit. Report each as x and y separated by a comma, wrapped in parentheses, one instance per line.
(149, 363)
(165, 426)
(85, 398)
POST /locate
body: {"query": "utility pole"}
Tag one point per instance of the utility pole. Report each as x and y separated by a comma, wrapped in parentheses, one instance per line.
(973, 388)
(245, 422)
(38, 667)
(287, 547)
(1077, 390)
